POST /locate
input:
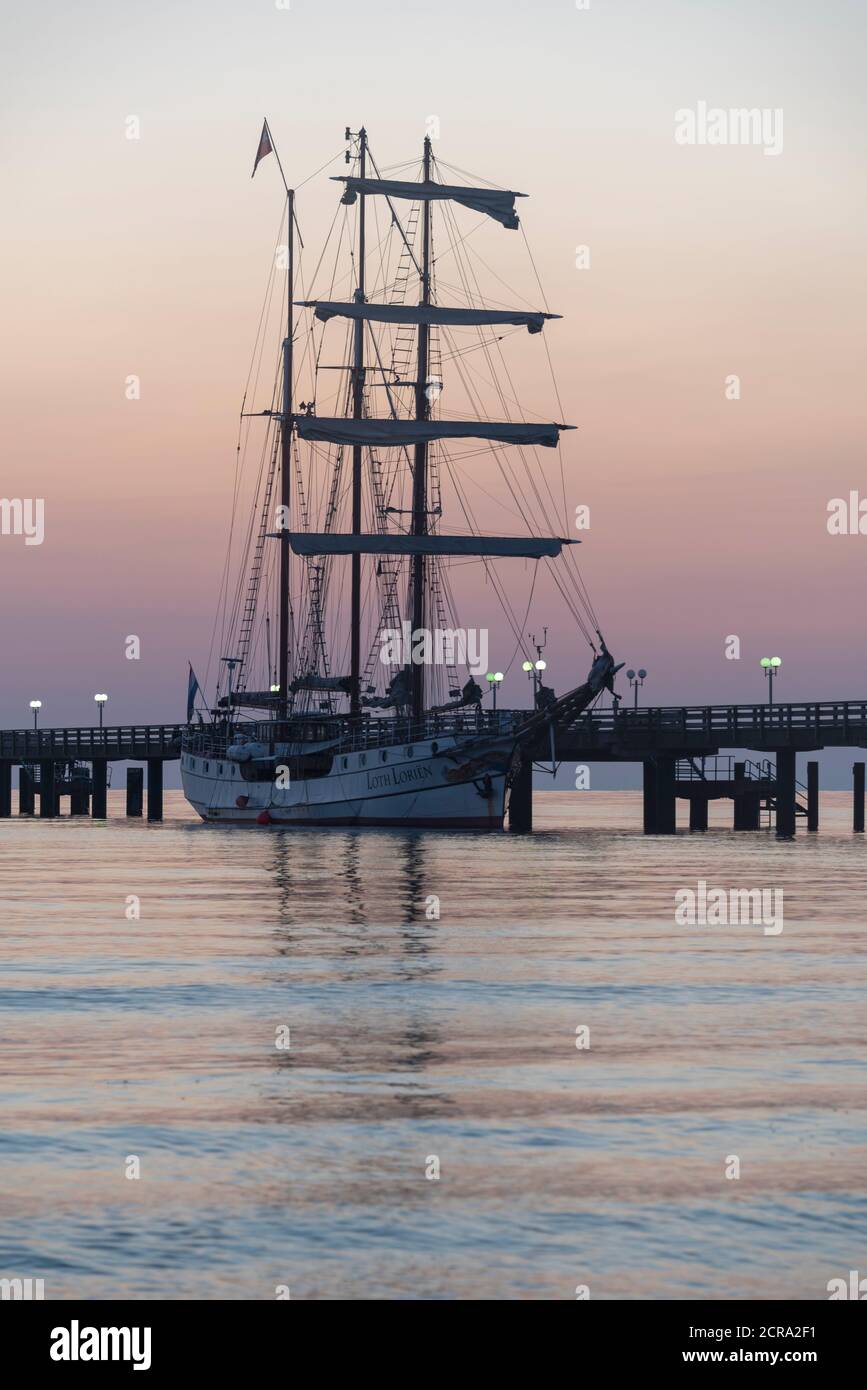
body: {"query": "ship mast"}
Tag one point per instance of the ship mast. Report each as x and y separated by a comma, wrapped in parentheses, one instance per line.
(359, 431)
(419, 480)
(286, 421)
(357, 411)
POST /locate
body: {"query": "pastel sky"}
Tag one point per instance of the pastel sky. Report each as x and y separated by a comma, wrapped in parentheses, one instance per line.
(148, 257)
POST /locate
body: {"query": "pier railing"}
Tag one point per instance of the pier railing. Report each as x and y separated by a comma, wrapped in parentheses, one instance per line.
(641, 731)
(733, 726)
(720, 767)
(132, 741)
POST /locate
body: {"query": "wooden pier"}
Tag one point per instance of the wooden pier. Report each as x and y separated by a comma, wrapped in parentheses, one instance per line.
(667, 740)
(679, 749)
(54, 763)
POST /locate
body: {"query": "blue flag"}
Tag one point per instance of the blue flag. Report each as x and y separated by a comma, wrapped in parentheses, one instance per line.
(192, 687)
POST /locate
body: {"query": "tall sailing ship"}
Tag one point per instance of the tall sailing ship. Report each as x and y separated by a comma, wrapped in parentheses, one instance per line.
(347, 692)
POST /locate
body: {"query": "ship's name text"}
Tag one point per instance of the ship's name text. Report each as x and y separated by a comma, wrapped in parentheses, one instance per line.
(397, 776)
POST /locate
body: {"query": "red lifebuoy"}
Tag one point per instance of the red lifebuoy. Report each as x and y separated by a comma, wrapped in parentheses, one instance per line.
(263, 818)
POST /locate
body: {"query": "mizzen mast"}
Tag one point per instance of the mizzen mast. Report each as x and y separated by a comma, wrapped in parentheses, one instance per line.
(357, 412)
(286, 421)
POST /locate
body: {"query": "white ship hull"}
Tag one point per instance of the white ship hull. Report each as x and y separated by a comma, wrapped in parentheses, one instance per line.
(434, 785)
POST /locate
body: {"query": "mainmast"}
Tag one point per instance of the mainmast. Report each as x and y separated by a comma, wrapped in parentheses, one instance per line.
(360, 431)
(286, 464)
(357, 411)
(419, 480)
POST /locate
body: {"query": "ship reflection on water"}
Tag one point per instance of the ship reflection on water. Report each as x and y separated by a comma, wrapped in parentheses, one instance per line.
(412, 1036)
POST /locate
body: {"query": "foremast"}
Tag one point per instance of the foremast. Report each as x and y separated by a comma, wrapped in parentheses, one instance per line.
(419, 478)
(286, 427)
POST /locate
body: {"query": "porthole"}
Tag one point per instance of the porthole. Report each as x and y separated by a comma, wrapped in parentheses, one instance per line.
(434, 748)
(410, 751)
(346, 762)
(220, 769)
(363, 760)
(207, 767)
(384, 756)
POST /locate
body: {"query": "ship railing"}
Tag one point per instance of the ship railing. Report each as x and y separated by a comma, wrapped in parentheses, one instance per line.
(379, 733)
(213, 740)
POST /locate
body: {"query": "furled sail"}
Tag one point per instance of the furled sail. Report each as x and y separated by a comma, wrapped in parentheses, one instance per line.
(311, 681)
(252, 699)
(332, 543)
(398, 692)
(438, 314)
(498, 203)
(392, 433)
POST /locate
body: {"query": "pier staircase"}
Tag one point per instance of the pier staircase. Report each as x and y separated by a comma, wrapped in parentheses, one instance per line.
(750, 780)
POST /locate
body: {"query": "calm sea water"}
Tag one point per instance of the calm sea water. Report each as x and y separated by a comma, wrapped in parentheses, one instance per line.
(412, 1037)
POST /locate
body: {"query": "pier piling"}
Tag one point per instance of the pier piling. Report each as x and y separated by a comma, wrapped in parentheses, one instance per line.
(698, 812)
(666, 796)
(25, 792)
(785, 792)
(740, 797)
(649, 796)
(100, 789)
(649, 787)
(858, 799)
(155, 788)
(812, 796)
(5, 789)
(79, 797)
(747, 801)
(134, 790)
(47, 789)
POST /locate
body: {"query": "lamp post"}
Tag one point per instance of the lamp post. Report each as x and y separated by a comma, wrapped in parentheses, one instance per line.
(494, 677)
(771, 666)
(538, 668)
(535, 668)
(534, 671)
(100, 700)
(636, 678)
(36, 706)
